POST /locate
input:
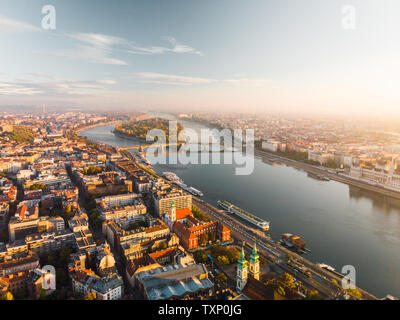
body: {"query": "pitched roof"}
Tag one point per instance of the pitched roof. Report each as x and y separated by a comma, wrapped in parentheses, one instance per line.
(256, 290)
(181, 230)
(182, 213)
(163, 253)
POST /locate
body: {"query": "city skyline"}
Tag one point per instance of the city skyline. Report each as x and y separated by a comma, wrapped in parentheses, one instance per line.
(320, 195)
(196, 155)
(270, 56)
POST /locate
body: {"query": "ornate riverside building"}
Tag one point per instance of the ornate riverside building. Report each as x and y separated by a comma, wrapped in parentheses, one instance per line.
(382, 174)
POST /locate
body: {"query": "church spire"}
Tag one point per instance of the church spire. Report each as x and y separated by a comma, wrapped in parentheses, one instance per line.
(241, 277)
(254, 263)
(172, 211)
(242, 262)
(254, 257)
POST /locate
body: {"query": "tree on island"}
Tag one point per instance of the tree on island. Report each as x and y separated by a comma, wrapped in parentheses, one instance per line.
(140, 129)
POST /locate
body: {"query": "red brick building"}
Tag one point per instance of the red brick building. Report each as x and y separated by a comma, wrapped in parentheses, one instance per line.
(190, 230)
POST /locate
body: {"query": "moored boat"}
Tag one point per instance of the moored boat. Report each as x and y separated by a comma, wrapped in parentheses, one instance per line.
(260, 223)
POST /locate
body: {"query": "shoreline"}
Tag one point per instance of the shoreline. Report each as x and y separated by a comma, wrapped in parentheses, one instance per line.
(332, 176)
(345, 179)
(290, 162)
(127, 136)
(78, 131)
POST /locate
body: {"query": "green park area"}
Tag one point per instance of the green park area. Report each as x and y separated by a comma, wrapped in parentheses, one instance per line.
(140, 129)
(22, 135)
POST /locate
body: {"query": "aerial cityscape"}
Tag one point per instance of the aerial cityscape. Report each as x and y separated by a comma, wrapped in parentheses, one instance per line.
(136, 166)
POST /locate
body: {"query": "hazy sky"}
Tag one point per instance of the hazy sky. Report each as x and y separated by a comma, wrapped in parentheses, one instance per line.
(187, 55)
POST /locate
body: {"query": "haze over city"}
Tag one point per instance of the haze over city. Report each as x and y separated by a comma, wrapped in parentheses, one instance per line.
(262, 56)
(190, 156)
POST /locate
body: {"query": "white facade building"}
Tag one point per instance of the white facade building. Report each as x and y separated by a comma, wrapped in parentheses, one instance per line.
(387, 179)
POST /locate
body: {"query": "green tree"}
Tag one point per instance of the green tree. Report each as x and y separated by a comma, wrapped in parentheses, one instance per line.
(223, 260)
(22, 135)
(90, 296)
(200, 215)
(231, 253)
(332, 163)
(313, 295)
(200, 256)
(37, 186)
(221, 278)
(287, 280)
(7, 296)
(279, 290)
(355, 292)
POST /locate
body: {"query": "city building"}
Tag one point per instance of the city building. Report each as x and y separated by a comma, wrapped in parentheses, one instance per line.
(247, 268)
(174, 282)
(122, 206)
(118, 233)
(47, 242)
(242, 272)
(273, 145)
(103, 280)
(191, 230)
(4, 215)
(163, 199)
(18, 262)
(382, 174)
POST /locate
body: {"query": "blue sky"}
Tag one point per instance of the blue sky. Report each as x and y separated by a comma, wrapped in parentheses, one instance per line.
(256, 55)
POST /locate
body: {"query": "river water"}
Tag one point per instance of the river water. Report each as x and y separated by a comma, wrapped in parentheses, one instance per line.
(341, 225)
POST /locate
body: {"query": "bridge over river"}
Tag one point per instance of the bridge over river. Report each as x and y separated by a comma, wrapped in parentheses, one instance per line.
(189, 147)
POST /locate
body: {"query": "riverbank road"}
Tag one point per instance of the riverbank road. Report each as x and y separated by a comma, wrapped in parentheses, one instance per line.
(276, 254)
(239, 231)
(319, 170)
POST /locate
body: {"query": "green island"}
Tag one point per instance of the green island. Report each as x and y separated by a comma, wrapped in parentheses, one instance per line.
(139, 129)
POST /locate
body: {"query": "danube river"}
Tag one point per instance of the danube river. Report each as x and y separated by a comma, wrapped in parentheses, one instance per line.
(341, 225)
